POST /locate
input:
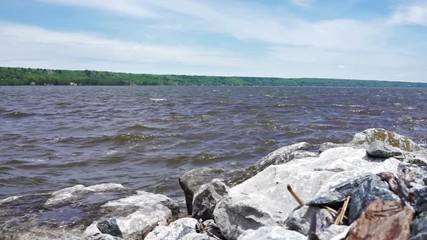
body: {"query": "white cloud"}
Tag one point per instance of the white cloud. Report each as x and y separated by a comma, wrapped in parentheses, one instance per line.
(413, 14)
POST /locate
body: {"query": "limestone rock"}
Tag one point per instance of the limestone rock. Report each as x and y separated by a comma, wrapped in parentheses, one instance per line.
(271, 233)
(383, 220)
(207, 197)
(371, 135)
(263, 200)
(301, 219)
(379, 149)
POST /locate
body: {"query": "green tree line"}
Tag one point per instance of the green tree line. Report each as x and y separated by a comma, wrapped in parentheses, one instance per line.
(27, 76)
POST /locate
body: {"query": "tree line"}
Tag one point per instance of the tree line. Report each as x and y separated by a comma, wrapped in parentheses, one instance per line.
(28, 76)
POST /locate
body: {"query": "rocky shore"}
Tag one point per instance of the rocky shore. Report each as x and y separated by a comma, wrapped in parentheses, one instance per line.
(374, 187)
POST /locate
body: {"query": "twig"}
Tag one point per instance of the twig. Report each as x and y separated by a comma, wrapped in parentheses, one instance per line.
(300, 202)
(340, 217)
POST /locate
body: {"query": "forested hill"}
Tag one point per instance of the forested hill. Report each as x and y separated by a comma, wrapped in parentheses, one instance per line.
(27, 76)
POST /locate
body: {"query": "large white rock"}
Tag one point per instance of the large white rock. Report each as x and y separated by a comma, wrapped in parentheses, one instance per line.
(264, 200)
(176, 230)
(137, 215)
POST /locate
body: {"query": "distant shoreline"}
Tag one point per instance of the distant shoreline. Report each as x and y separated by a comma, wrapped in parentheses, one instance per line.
(11, 76)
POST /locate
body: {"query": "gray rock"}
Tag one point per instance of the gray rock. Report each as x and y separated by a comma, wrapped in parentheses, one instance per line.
(379, 149)
(301, 219)
(264, 200)
(420, 200)
(339, 192)
(176, 230)
(419, 228)
(372, 189)
(285, 154)
(109, 226)
(138, 214)
(272, 233)
(191, 181)
(207, 197)
(198, 236)
(334, 232)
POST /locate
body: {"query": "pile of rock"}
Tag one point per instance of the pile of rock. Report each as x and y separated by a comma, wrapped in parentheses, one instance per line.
(373, 187)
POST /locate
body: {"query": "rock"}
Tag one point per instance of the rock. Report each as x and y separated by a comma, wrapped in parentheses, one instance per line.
(175, 230)
(285, 154)
(379, 149)
(264, 200)
(109, 226)
(210, 228)
(392, 139)
(420, 200)
(198, 236)
(340, 189)
(271, 233)
(383, 220)
(368, 191)
(137, 215)
(419, 228)
(193, 179)
(301, 219)
(334, 232)
(207, 197)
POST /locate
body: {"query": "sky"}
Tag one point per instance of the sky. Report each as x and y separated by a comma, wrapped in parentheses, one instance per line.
(350, 39)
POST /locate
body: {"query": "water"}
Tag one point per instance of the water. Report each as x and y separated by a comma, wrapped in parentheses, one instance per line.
(146, 137)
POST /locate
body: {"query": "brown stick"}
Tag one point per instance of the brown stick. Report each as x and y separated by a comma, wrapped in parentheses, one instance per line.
(300, 202)
(340, 217)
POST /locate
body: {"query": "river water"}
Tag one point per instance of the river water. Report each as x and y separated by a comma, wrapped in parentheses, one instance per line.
(145, 137)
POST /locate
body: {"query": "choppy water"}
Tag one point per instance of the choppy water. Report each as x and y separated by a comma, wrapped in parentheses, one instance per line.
(146, 137)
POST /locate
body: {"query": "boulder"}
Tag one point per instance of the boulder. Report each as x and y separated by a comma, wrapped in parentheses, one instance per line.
(272, 233)
(305, 217)
(392, 139)
(138, 214)
(207, 197)
(263, 200)
(379, 149)
(383, 220)
(191, 181)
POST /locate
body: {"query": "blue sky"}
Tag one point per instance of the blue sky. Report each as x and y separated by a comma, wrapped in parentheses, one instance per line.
(353, 39)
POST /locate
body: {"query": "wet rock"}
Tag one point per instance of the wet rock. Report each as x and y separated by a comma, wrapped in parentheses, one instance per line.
(207, 197)
(193, 179)
(175, 230)
(264, 200)
(370, 190)
(301, 219)
(379, 149)
(334, 232)
(109, 226)
(383, 220)
(419, 228)
(272, 233)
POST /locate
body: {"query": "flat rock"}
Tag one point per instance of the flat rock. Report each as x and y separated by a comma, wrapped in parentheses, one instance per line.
(383, 220)
(272, 233)
(264, 200)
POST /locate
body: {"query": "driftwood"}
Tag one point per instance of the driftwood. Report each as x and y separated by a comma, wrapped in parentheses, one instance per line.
(298, 199)
(341, 215)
